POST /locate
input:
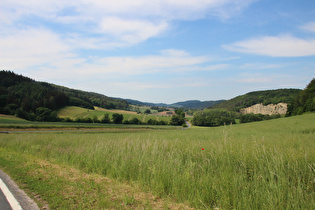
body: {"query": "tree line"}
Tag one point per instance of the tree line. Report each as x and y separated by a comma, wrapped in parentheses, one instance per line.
(115, 119)
(178, 119)
(218, 117)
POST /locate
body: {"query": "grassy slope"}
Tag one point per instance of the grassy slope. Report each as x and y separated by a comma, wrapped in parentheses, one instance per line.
(262, 165)
(74, 112)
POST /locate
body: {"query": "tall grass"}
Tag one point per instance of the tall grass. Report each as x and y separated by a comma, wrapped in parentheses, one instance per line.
(263, 165)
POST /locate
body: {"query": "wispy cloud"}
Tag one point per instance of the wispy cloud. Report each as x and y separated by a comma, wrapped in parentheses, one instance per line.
(309, 27)
(275, 46)
(32, 47)
(265, 81)
(117, 23)
(131, 31)
(42, 50)
(263, 65)
(142, 85)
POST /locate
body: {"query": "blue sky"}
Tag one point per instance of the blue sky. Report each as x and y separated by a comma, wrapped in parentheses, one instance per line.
(161, 50)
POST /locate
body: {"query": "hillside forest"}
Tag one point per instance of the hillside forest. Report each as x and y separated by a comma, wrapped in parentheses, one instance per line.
(40, 101)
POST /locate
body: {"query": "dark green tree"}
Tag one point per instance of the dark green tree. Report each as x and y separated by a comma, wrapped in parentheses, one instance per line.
(117, 118)
(213, 117)
(135, 121)
(177, 119)
(147, 111)
(105, 118)
(45, 114)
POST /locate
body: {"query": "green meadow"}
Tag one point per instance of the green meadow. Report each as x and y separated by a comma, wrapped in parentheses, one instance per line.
(261, 165)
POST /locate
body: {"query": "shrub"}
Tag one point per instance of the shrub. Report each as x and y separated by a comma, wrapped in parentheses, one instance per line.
(214, 117)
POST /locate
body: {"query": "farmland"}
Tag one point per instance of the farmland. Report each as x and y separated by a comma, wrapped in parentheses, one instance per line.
(261, 165)
(78, 112)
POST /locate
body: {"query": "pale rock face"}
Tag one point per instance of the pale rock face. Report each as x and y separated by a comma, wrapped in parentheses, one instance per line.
(270, 109)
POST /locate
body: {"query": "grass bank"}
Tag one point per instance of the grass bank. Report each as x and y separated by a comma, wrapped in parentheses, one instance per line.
(262, 165)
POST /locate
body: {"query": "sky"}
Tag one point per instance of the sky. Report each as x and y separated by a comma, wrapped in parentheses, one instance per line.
(161, 51)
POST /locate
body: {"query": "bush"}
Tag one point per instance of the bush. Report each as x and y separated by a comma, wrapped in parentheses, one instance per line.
(118, 118)
(135, 121)
(246, 118)
(67, 119)
(147, 111)
(214, 117)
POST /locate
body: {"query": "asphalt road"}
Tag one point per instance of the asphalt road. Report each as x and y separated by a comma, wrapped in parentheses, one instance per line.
(4, 204)
(11, 197)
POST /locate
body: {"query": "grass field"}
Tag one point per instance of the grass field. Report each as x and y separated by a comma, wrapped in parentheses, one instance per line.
(75, 112)
(262, 165)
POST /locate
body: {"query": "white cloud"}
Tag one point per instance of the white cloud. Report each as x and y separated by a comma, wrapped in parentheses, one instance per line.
(265, 81)
(309, 27)
(275, 46)
(131, 31)
(31, 47)
(174, 53)
(129, 65)
(118, 23)
(47, 55)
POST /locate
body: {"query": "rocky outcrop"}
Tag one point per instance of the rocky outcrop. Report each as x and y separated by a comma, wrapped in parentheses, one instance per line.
(270, 109)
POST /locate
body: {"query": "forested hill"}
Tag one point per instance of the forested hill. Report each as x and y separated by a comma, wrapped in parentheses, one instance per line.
(195, 104)
(29, 99)
(304, 101)
(265, 97)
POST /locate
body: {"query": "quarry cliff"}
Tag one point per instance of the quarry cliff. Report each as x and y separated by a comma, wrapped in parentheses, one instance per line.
(270, 109)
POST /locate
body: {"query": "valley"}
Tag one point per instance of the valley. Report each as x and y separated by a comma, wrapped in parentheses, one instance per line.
(239, 166)
(118, 155)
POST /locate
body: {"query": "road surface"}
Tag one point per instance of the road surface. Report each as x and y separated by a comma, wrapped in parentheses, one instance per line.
(4, 204)
(11, 197)
(188, 125)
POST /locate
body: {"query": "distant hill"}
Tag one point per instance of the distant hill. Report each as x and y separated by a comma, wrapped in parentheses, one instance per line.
(32, 100)
(140, 103)
(194, 104)
(265, 97)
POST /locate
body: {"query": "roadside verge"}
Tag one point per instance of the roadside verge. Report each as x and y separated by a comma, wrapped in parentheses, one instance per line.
(16, 197)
